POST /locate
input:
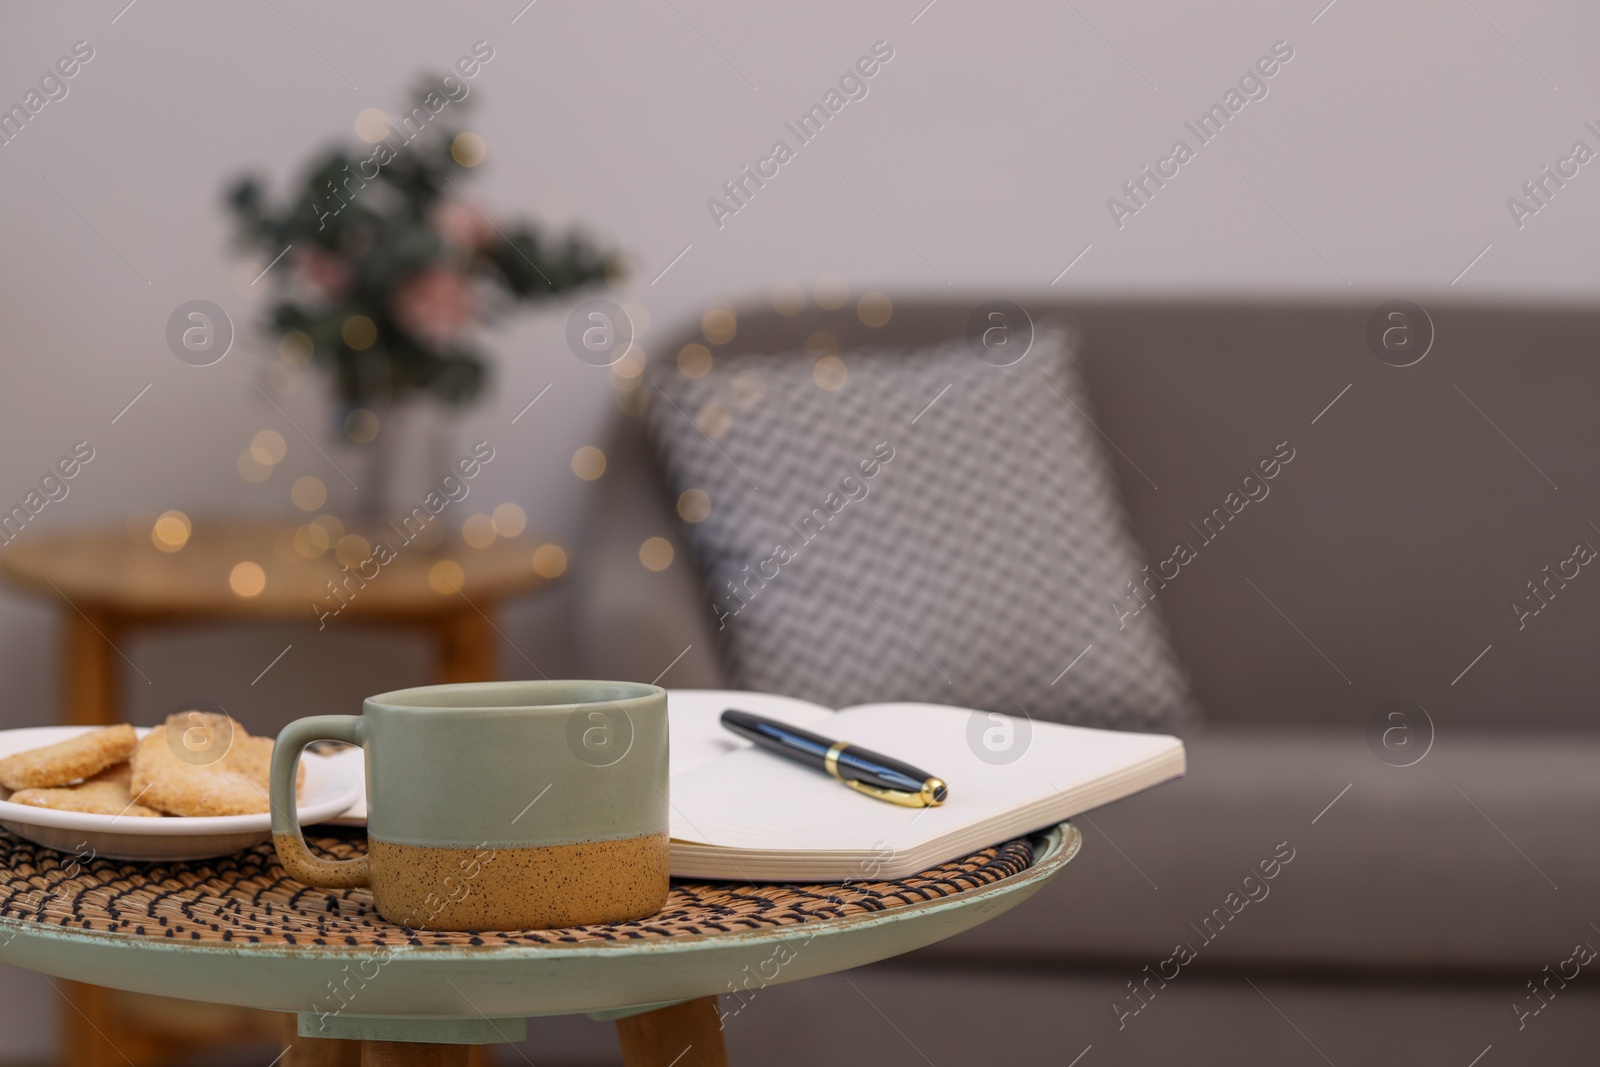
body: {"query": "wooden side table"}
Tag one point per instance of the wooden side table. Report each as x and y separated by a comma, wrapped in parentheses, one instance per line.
(110, 588)
(239, 931)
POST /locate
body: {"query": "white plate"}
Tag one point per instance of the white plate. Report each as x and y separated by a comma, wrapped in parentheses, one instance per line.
(352, 761)
(329, 789)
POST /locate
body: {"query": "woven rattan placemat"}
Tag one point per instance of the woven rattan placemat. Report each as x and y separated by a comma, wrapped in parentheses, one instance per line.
(247, 897)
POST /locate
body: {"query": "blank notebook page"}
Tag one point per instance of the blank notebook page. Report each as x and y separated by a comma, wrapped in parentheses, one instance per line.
(695, 716)
(751, 799)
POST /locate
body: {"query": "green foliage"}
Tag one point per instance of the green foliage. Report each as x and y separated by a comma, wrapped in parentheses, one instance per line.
(386, 233)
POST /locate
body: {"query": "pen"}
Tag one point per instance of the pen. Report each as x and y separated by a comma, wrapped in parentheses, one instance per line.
(865, 772)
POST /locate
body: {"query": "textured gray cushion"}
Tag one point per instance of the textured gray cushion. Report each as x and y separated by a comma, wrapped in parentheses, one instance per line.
(1450, 865)
(935, 529)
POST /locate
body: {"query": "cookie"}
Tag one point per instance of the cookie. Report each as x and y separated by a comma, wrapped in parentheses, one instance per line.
(252, 756)
(185, 777)
(117, 772)
(67, 761)
(104, 794)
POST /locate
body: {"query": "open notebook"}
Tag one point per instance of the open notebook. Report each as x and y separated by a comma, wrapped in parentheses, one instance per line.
(739, 812)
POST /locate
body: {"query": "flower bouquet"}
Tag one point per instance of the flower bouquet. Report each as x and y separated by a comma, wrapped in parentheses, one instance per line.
(390, 268)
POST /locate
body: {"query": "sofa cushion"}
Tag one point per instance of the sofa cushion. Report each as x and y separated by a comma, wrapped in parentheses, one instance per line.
(1483, 855)
(891, 1013)
(892, 524)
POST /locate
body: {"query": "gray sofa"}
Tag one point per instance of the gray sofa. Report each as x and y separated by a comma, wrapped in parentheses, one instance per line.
(1420, 901)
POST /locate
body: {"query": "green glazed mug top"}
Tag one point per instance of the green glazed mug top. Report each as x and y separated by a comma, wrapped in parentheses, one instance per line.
(512, 764)
(498, 764)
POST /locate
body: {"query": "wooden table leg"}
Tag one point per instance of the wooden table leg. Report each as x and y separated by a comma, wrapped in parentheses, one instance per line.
(683, 1035)
(89, 1034)
(466, 647)
(84, 1019)
(322, 1052)
(316, 1051)
(408, 1054)
(89, 669)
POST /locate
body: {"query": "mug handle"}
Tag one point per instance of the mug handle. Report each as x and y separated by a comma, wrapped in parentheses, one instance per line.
(287, 838)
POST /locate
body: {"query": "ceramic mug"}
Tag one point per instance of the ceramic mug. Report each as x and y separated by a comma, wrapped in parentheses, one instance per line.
(498, 805)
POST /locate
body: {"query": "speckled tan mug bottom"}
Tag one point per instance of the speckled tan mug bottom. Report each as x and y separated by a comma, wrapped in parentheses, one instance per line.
(540, 888)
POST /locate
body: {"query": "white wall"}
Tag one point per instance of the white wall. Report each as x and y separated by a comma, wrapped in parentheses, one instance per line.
(990, 144)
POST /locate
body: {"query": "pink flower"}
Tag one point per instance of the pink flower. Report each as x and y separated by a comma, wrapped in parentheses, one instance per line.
(460, 224)
(327, 274)
(437, 305)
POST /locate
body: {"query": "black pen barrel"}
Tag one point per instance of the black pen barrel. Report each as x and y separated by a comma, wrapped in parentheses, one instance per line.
(790, 741)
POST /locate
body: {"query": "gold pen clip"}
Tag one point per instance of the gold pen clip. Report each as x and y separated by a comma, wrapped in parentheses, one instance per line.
(931, 795)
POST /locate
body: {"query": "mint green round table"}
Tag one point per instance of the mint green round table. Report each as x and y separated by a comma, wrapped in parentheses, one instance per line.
(237, 930)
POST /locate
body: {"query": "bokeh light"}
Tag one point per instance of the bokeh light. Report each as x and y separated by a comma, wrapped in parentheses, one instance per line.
(829, 373)
(549, 561)
(588, 463)
(362, 425)
(468, 149)
(719, 324)
(446, 576)
(308, 493)
(694, 360)
(171, 531)
(247, 579)
(509, 520)
(656, 553)
(330, 524)
(359, 332)
(714, 420)
(630, 364)
(295, 347)
(372, 125)
(694, 505)
(269, 447)
(874, 310)
(352, 550)
(478, 531)
(310, 540)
